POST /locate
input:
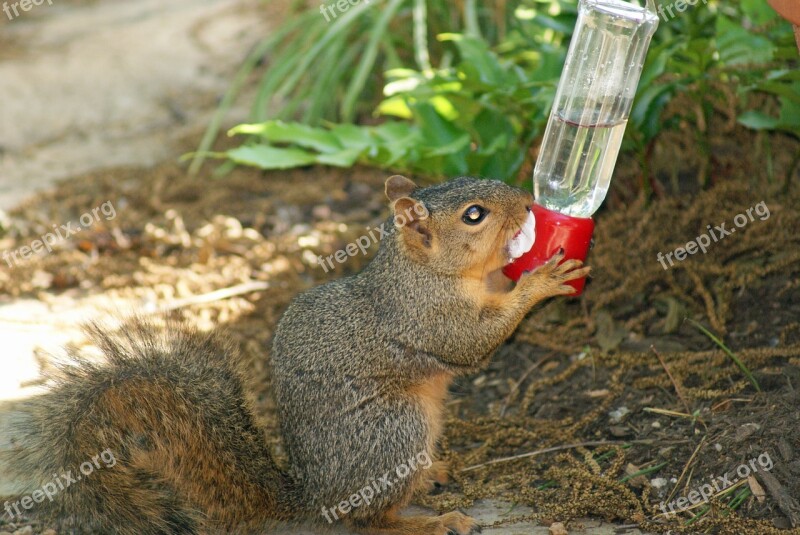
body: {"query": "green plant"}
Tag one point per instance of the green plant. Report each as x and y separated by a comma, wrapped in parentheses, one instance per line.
(473, 100)
(505, 93)
(318, 69)
(712, 54)
(478, 116)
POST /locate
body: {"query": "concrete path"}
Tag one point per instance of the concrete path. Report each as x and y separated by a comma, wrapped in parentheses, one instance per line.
(88, 85)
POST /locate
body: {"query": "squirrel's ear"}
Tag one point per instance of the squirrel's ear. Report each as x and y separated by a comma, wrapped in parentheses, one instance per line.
(410, 218)
(398, 186)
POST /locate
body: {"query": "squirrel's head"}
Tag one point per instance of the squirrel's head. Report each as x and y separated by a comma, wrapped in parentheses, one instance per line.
(462, 227)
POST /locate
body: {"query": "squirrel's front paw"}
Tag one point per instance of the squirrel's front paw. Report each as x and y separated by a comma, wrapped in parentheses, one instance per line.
(551, 277)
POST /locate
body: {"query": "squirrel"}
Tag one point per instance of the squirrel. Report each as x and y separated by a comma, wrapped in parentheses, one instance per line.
(361, 369)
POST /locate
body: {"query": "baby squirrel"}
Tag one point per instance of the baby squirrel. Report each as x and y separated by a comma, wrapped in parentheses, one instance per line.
(361, 370)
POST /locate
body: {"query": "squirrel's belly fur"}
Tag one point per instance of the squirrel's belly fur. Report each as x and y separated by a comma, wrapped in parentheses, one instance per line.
(347, 409)
(361, 370)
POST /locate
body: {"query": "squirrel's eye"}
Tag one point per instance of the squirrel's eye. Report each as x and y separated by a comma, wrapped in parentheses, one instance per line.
(474, 215)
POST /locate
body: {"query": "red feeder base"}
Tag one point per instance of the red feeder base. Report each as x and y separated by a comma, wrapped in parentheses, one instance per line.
(555, 231)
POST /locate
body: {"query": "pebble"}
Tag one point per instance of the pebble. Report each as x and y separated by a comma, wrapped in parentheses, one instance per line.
(658, 482)
(618, 414)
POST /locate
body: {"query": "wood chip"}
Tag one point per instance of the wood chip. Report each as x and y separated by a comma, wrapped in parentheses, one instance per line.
(756, 489)
(786, 503)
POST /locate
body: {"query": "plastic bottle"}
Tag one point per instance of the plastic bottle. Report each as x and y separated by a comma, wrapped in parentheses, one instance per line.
(584, 133)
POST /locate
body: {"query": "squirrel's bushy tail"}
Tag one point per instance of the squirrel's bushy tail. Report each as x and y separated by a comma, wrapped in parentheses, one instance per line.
(159, 439)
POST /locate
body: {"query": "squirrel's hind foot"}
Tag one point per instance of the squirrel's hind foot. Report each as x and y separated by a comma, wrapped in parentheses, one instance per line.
(454, 523)
(460, 524)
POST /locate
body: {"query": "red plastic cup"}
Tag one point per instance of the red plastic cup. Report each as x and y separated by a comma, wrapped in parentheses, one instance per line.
(555, 231)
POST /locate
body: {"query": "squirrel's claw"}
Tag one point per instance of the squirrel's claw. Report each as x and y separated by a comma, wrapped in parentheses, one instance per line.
(554, 260)
(571, 274)
(565, 271)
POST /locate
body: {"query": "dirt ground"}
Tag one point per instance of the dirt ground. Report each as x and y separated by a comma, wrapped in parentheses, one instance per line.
(605, 407)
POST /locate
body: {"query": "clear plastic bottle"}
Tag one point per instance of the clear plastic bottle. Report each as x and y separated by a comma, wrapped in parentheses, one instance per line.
(585, 129)
(592, 105)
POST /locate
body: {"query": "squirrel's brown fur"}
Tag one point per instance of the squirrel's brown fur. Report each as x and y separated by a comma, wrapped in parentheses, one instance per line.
(362, 367)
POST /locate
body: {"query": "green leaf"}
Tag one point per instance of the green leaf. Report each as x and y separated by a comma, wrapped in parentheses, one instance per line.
(647, 109)
(737, 46)
(656, 63)
(444, 107)
(493, 131)
(784, 75)
(790, 116)
(758, 11)
(306, 136)
(345, 158)
(477, 59)
(267, 157)
(563, 25)
(339, 57)
(284, 65)
(788, 91)
(445, 146)
(405, 84)
(395, 107)
(396, 133)
(458, 144)
(436, 130)
(351, 136)
(693, 58)
(758, 120)
(336, 30)
(395, 142)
